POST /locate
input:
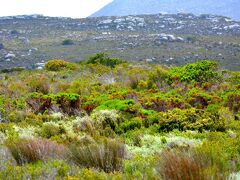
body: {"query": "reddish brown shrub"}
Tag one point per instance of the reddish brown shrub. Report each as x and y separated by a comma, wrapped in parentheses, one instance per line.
(233, 101)
(188, 164)
(39, 105)
(32, 150)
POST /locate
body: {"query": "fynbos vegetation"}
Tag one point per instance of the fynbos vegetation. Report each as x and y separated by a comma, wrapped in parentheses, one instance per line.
(106, 118)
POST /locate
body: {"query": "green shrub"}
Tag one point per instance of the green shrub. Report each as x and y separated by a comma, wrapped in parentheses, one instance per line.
(157, 77)
(140, 167)
(4, 127)
(188, 119)
(106, 118)
(226, 144)
(68, 102)
(191, 39)
(200, 99)
(14, 69)
(57, 65)
(105, 60)
(235, 78)
(40, 170)
(163, 102)
(90, 174)
(145, 112)
(120, 105)
(93, 101)
(50, 129)
(132, 124)
(14, 32)
(201, 71)
(67, 42)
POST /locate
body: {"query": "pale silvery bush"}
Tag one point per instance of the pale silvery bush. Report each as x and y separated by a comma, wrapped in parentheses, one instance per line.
(107, 79)
(26, 132)
(173, 141)
(68, 127)
(151, 144)
(106, 119)
(105, 114)
(83, 124)
(57, 115)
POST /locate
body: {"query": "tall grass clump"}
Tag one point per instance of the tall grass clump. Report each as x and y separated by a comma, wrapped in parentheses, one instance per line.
(36, 149)
(189, 164)
(107, 155)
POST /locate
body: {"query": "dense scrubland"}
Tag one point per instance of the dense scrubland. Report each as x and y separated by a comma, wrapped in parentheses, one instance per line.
(105, 118)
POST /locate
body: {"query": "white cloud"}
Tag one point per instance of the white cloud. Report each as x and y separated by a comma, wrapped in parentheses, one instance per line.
(67, 8)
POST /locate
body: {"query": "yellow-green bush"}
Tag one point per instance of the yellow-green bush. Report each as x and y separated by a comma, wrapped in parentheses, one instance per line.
(57, 65)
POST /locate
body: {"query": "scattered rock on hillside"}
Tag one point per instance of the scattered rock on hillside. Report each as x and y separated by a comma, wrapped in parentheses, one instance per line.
(40, 65)
(10, 55)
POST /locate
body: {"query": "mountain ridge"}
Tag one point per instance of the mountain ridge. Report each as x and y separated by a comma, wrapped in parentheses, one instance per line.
(133, 7)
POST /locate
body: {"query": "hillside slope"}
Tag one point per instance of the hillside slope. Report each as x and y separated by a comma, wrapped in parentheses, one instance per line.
(29, 41)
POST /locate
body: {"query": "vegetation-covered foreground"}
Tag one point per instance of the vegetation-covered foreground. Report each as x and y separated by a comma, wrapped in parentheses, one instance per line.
(107, 119)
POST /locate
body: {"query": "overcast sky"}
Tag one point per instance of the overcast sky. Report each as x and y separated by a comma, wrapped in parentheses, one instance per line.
(66, 8)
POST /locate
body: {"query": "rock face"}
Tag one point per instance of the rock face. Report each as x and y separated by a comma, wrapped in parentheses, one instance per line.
(1, 46)
(228, 8)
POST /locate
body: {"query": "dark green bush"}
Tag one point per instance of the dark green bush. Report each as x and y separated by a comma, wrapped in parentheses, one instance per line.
(14, 69)
(51, 129)
(135, 123)
(104, 59)
(201, 71)
(67, 42)
(14, 32)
